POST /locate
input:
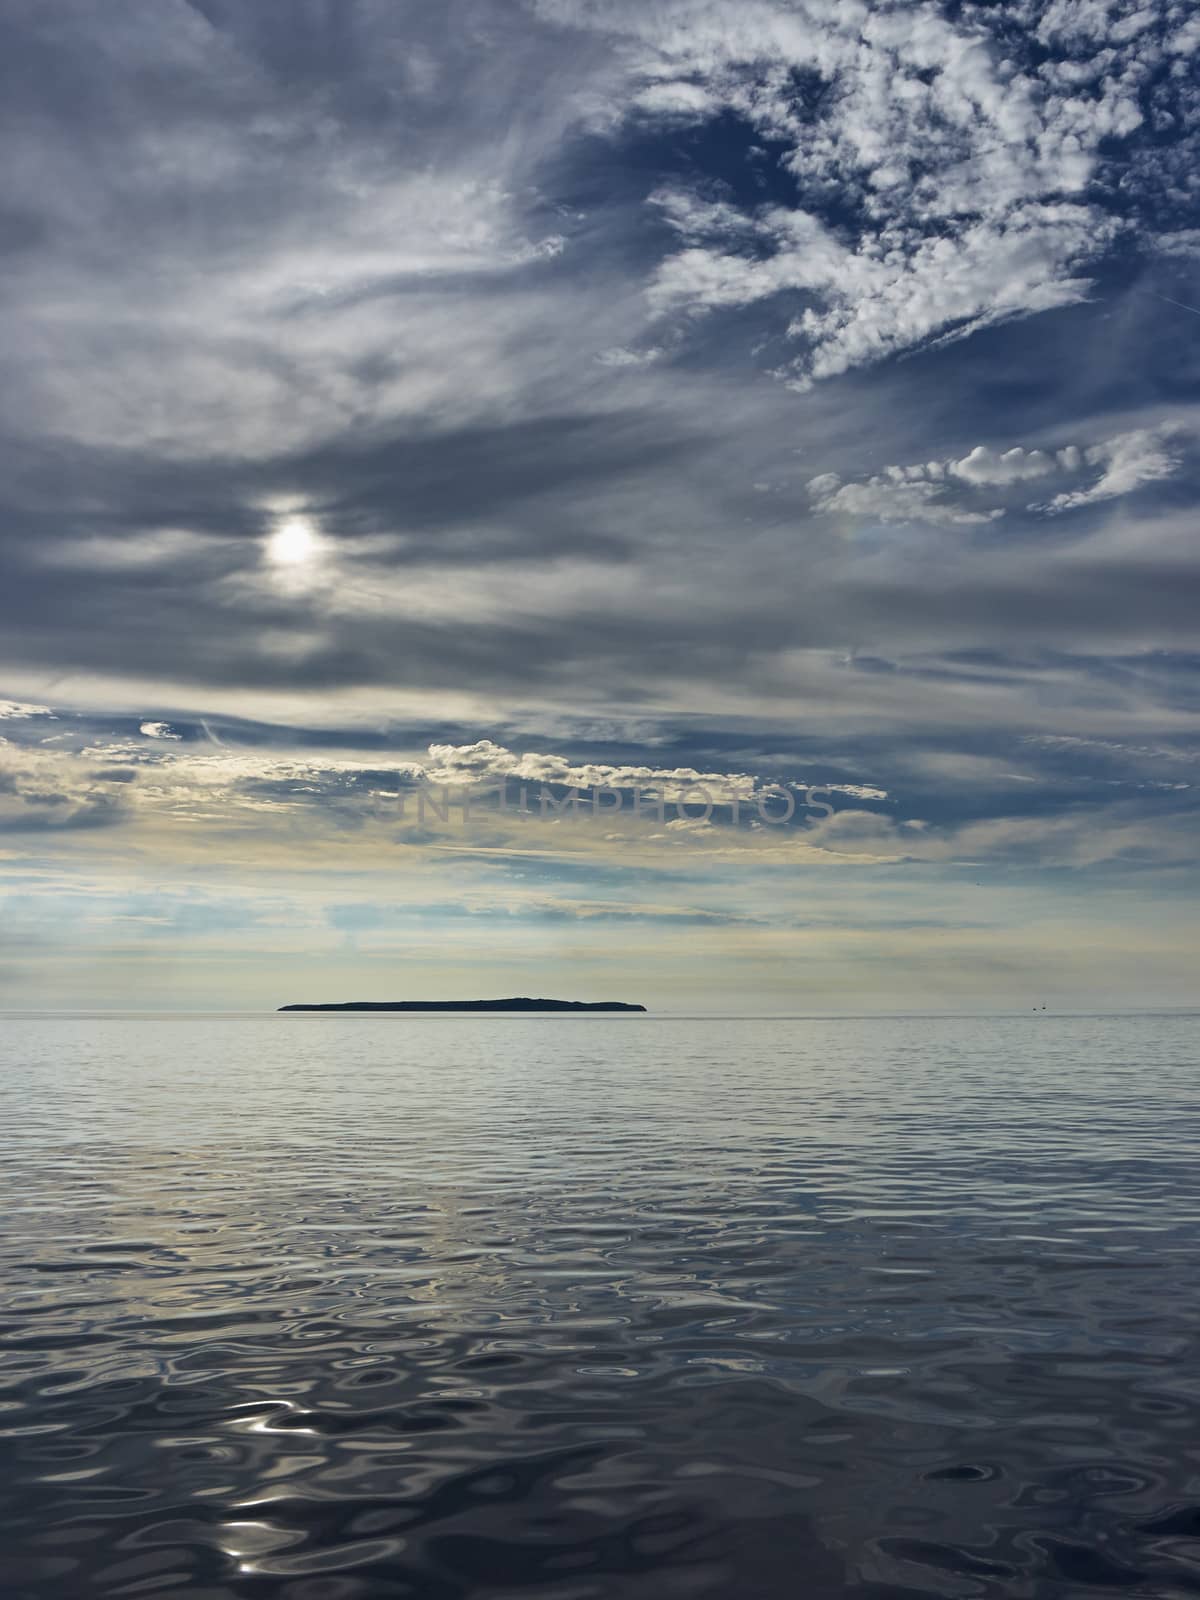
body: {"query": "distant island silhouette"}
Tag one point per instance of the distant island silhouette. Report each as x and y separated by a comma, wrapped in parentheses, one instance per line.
(520, 1004)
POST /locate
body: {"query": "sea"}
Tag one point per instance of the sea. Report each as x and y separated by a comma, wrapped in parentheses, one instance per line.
(578, 1307)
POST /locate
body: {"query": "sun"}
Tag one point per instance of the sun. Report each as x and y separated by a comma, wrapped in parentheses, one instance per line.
(293, 544)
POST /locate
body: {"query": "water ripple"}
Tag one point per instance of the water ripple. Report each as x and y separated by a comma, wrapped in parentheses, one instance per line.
(332, 1308)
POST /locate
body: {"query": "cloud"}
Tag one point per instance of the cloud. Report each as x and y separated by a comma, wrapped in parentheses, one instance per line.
(962, 162)
(408, 303)
(1179, 242)
(686, 101)
(922, 491)
(580, 333)
(877, 302)
(280, 862)
(1043, 799)
(886, 500)
(11, 710)
(485, 761)
(1127, 462)
(987, 466)
(620, 357)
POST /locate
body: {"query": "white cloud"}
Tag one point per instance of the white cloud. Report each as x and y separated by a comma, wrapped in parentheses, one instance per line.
(620, 357)
(856, 791)
(13, 710)
(984, 465)
(886, 500)
(676, 99)
(486, 761)
(1126, 462)
(523, 510)
(962, 174)
(1185, 40)
(159, 730)
(923, 491)
(1180, 242)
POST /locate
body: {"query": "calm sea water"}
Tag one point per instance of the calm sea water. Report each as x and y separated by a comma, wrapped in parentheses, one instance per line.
(340, 1307)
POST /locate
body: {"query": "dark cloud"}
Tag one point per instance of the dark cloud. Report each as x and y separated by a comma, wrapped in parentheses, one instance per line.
(546, 318)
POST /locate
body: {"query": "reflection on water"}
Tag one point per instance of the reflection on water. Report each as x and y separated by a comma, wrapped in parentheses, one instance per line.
(334, 1307)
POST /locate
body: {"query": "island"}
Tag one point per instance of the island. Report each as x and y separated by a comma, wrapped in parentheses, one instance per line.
(520, 1004)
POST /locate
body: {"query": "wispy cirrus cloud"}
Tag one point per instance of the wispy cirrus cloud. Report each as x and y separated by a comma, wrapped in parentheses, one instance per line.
(692, 390)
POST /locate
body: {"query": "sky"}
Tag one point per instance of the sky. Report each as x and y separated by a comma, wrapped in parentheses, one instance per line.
(775, 420)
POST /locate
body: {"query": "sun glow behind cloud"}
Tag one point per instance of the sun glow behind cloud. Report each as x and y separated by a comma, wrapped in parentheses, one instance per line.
(759, 387)
(294, 543)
